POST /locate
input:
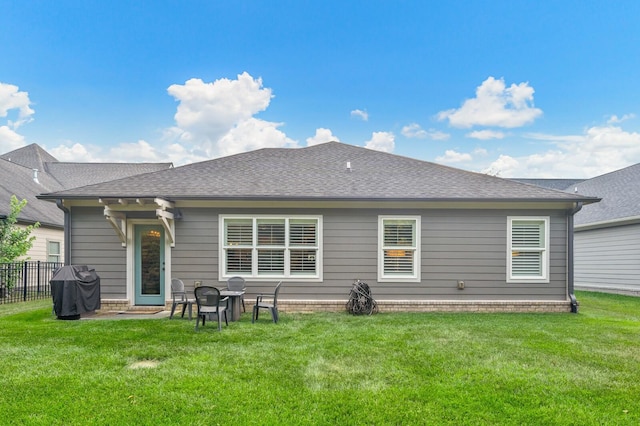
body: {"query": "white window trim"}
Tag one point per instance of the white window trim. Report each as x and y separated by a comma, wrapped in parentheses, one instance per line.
(222, 267)
(415, 276)
(48, 254)
(544, 278)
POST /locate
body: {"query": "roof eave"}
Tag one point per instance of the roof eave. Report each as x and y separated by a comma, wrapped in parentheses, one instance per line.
(584, 200)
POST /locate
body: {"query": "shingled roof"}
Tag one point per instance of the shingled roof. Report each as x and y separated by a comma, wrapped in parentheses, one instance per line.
(318, 172)
(19, 180)
(30, 170)
(31, 156)
(620, 193)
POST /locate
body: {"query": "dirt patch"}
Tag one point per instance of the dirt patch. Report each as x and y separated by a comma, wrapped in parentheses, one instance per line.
(146, 363)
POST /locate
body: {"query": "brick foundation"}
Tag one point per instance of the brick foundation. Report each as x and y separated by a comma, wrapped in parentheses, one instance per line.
(429, 306)
(389, 306)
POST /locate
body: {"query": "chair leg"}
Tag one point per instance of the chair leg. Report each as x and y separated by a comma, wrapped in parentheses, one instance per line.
(219, 323)
(274, 315)
(184, 307)
(197, 321)
(173, 309)
(244, 309)
(254, 316)
(226, 319)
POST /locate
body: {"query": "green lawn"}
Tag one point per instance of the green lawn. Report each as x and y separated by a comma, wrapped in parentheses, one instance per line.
(326, 368)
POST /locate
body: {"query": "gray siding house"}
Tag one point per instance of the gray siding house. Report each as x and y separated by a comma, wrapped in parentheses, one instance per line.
(423, 236)
(607, 239)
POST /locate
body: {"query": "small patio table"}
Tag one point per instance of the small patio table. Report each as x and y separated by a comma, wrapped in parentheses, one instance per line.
(236, 300)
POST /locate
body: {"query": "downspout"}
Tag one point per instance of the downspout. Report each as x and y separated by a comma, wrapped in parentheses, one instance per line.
(67, 231)
(570, 259)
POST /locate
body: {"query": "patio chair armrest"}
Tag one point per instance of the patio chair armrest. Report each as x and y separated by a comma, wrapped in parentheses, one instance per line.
(262, 296)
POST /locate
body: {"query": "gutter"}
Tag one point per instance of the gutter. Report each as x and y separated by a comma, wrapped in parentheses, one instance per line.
(67, 231)
(570, 260)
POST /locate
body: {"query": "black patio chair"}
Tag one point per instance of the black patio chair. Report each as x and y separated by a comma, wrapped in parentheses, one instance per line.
(210, 303)
(271, 304)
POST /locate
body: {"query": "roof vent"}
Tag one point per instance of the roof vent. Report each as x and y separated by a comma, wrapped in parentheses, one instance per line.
(348, 166)
(35, 176)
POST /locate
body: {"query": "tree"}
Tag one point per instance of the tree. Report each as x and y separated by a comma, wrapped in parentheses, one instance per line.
(15, 241)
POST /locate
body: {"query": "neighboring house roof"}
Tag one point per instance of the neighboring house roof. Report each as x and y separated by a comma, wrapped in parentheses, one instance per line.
(32, 156)
(71, 175)
(318, 172)
(559, 184)
(620, 193)
(19, 180)
(30, 170)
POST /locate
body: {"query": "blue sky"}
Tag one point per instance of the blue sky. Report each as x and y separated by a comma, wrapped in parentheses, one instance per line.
(512, 88)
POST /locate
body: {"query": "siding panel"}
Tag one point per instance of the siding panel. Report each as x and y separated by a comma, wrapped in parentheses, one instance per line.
(456, 245)
(608, 257)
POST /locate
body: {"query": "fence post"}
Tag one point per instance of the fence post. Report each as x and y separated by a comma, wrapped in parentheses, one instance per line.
(25, 273)
(38, 277)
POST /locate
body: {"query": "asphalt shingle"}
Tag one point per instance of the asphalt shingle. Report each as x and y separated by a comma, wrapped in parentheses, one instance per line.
(317, 172)
(620, 193)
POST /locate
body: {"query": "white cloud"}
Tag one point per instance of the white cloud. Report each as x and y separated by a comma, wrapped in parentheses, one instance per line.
(599, 150)
(486, 134)
(140, 151)
(381, 141)
(252, 134)
(218, 118)
(414, 130)
(451, 156)
(502, 167)
(322, 135)
(495, 105)
(12, 99)
(614, 119)
(76, 153)
(10, 140)
(358, 113)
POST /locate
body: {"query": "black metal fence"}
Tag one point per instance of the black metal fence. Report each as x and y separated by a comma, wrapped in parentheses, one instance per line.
(28, 280)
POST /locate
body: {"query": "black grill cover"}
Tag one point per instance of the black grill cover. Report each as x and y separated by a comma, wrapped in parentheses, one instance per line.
(75, 290)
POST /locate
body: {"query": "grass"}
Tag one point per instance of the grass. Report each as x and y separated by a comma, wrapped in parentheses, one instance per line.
(326, 368)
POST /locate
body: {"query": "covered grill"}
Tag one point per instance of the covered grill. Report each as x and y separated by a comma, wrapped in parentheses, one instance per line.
(75, 290)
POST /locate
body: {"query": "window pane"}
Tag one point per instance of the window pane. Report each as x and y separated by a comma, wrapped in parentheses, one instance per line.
(527, 234)
(303, 262)
(54, 247)
(302, 233)
(271, 262)
(239, 232)
(399, 233)
(53, 251)
(526, 263)
(398, 262)
(270, 232)
(239, 260)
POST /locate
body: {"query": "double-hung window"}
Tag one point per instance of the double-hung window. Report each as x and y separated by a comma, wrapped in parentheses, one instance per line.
(53, 251)
(528, 249)
(399, 248)
(271, 246)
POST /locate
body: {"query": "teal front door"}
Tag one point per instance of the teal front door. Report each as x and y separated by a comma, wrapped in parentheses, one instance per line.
(149, 265)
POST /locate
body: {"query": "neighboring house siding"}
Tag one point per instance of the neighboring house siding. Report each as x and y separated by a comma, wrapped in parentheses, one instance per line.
(468, 245)
(39, 249)
(608, 258)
